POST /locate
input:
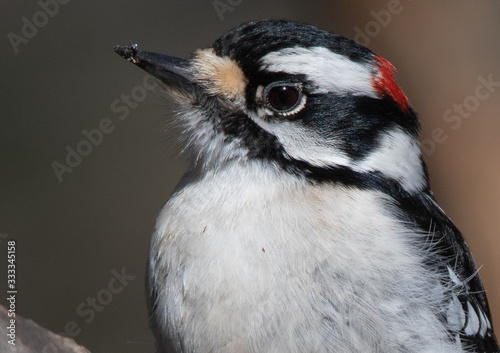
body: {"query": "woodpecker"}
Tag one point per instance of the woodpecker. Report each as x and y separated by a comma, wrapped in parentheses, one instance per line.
(305, 222)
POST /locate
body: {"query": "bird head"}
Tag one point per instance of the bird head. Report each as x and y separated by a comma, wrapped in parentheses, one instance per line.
(295, 99)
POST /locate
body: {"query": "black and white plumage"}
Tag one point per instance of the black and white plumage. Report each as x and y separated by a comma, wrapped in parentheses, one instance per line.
(306, 222)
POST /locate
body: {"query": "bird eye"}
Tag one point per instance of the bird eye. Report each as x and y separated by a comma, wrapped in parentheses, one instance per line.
(284, 98)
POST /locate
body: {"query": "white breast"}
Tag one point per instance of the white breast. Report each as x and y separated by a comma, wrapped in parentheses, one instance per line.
(264, 262)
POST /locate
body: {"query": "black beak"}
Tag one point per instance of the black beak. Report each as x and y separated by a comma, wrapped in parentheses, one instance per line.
(168, 69)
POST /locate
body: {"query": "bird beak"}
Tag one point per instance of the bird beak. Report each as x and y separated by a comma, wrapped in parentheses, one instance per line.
(170, 70)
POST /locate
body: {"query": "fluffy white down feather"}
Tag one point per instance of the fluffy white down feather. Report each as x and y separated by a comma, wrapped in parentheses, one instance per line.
(260, 263)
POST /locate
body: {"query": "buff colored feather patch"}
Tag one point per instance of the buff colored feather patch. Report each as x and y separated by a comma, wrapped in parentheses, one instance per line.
(219, 75)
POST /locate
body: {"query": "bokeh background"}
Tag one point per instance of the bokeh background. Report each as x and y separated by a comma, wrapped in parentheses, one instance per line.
(64, 79)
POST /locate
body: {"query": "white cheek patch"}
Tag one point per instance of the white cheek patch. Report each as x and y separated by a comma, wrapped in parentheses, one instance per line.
(398, 157)
(301, 143)
(328, 71)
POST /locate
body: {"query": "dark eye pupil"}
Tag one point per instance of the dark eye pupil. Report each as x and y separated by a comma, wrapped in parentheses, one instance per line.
(283, 97)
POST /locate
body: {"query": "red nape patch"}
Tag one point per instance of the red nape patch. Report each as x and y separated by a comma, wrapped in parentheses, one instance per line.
(384, 83)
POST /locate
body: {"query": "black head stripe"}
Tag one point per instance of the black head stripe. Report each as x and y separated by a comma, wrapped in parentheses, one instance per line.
(251, 41)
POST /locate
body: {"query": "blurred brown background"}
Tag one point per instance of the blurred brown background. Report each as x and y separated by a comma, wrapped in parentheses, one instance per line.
(72, 234)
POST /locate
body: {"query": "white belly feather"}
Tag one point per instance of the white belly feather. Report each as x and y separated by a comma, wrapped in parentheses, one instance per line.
(259, 266)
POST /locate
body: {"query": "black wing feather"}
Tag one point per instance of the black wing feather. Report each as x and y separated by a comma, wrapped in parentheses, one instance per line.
(423, 211)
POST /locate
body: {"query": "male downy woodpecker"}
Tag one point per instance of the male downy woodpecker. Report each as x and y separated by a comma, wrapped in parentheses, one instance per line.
(305, 222)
